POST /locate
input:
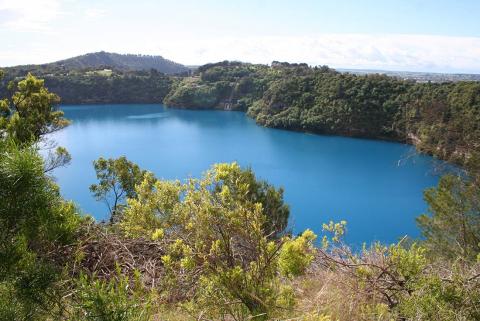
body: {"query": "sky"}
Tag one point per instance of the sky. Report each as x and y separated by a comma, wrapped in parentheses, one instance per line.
(413, 35)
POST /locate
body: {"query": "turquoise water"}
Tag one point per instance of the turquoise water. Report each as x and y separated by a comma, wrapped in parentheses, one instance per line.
(375, 186)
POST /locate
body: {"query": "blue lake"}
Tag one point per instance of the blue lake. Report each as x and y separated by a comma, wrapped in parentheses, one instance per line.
(375, 186)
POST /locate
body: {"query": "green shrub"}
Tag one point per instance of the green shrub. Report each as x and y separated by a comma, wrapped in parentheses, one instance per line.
(117, 299)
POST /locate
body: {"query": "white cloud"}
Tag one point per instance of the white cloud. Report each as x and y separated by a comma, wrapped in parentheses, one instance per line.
(28, 15)
(390, 52)
(396, 52)
(94, 13)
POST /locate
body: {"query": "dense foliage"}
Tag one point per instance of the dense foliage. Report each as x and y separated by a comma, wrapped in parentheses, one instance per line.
(30, 112)
(443, 120)
(454, 226)
(97, 86)
(332, 103)
(107, 86)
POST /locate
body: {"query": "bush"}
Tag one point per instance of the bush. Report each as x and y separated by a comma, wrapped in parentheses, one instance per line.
(35, 224)
(117, 299)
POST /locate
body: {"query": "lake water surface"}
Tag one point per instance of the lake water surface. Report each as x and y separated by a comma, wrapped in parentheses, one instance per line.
(375, 186)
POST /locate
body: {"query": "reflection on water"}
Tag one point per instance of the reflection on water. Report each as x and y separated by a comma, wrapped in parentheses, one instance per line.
(148, 116)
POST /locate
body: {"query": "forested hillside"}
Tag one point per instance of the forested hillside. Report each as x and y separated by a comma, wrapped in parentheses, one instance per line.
(218, 247)
(106, 86)
(103, 86)
(127, 62)
(101, 60)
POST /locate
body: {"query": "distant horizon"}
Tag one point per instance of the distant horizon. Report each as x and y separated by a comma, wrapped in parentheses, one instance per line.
(373, 70)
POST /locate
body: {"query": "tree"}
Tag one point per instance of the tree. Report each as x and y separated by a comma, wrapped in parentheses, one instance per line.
(453, 228)
(258, 191)
(35, 222)
(29, 115)
(216, 235)
(117, 179)
(31, 112)
(242, 185)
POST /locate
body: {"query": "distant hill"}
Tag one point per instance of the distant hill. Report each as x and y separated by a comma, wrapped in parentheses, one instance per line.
(115, 61)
